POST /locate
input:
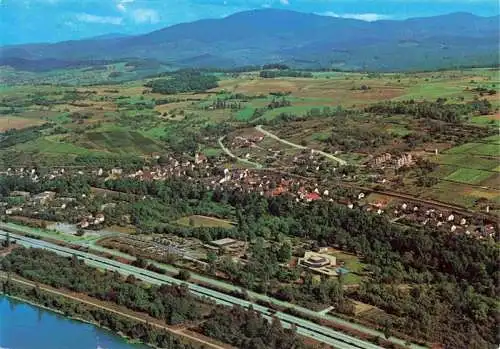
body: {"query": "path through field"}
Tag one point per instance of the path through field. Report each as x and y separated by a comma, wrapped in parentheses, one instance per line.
(298, 146)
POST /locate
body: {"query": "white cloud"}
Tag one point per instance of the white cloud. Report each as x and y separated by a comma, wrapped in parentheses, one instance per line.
(368, 17)
(86, 17)
(121, 5)
(284, 2)
(145, 15)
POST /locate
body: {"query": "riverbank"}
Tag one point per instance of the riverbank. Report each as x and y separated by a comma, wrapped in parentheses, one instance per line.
(33, 325)
(79, 319)
(131, 328)
(72, 318)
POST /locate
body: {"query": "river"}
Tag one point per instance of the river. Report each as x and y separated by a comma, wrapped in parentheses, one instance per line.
(23, 326)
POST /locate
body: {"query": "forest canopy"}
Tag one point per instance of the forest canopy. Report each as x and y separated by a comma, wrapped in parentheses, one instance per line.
(183, 81)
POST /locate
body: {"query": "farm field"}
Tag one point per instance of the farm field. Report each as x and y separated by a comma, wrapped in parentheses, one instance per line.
(54, 145)
(325, 112)
(8, 123)
(468, 161)
(467, 175)
(259, 151)
(120, 141)
(487, 149)
(472, 172)
(461, 194)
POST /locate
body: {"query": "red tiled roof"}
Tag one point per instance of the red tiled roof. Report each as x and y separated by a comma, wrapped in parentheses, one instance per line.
(313, 196)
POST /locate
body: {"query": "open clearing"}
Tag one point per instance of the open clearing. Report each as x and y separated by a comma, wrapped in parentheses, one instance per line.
(197, 221)
(360, 307)
(351, 263)
(461, 194)
(54, 144)
(469, 175)
(121, 142)
(488, 149)
(467, 161)
(14, 122)
(343, 89)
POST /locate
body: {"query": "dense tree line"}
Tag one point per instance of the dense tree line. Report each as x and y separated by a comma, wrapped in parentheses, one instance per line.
(174, 304)
(14, 136)
(270, 74)
(420, 257)
(439, 110)
(183, 81)
(484, 90)
(279, 103)
(248, 329)
(434, 264)
(353, 137)
(68, 185)
(278, 66)
(136, 330)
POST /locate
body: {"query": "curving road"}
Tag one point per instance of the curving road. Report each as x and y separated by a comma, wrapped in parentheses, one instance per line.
(298, 146)
(228, 152)
(306, 328)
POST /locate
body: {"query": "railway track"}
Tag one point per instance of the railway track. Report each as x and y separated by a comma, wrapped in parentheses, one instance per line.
(304, 327)
(398, 195)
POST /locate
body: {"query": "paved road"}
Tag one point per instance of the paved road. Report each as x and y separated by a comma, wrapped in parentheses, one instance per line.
(298, 146)
(222, 285)
(179, 332)
(228, 152)
(262, 297)
(304, 327)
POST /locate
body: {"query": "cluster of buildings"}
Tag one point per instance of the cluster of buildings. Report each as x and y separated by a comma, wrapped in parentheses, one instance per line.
(396, 162)
(24, 200)
(216, 176)
(443, 220)
(90, 220)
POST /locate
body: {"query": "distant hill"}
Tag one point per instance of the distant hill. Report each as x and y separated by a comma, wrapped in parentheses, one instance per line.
(108, 36)
(294, 38)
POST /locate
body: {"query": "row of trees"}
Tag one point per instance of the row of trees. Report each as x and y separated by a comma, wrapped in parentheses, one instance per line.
(270, 74)
(13, 136)
(224, 104)
(134, 329)
(439, 110)
(248, 329)
(183, 81)
(174, 304)
(422, 258)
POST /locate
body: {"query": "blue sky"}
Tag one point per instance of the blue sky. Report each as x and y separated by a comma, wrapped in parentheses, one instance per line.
(23, 21)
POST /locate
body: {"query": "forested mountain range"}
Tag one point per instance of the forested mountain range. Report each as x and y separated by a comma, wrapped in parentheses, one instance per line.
(294, 38)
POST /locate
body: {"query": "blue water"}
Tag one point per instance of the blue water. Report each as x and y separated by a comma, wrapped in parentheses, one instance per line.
(342, 270)
(23, 326)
